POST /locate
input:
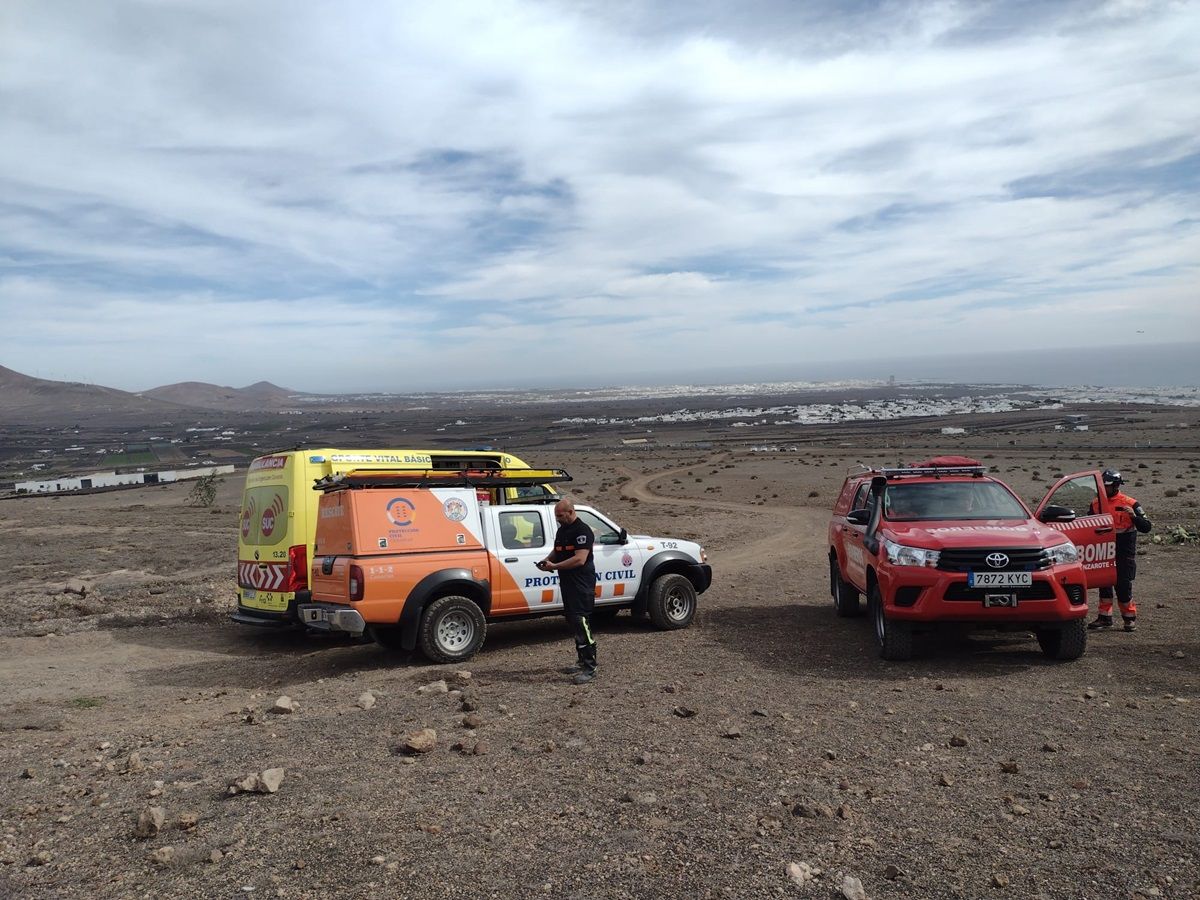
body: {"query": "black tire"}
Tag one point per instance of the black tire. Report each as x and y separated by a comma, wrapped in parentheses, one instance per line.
(894, 637)
(1066, 643)
(452, 630)
(845, 595)
(672, 602)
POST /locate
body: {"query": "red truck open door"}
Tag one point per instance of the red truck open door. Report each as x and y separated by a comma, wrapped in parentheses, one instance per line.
(1092, 528)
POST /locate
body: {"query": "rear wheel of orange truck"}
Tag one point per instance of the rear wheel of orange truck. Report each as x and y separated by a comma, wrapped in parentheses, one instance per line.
(452, 629)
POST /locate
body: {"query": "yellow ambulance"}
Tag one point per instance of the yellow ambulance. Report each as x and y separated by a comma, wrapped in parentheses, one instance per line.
(279, 517)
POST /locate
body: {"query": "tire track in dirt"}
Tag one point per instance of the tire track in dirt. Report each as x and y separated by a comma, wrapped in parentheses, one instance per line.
(801, 529)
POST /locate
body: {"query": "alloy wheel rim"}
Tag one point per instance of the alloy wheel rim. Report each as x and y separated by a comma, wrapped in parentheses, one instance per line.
(455, 630)
(678, 606)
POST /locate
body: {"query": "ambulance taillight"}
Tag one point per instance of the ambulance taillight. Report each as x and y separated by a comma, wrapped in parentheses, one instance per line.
(356, 583)
(297, 571)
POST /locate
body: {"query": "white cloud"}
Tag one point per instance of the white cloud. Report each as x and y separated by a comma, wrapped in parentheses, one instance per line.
(411, 177)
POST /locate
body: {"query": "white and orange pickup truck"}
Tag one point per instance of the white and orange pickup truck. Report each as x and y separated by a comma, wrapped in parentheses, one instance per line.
(427, 559)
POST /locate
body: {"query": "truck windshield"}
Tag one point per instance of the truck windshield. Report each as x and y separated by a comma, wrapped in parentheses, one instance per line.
(950, 500)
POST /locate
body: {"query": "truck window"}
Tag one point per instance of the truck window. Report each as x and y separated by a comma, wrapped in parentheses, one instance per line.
(1078, 494)
(950, 500)
(605, 533)
(522, 530)
(860, 496)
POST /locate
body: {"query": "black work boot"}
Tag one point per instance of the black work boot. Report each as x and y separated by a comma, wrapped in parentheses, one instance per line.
(584, 676)
(1100, 622)
(1131, 624)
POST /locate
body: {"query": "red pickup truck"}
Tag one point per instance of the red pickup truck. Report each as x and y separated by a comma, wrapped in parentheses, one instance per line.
(944, 542)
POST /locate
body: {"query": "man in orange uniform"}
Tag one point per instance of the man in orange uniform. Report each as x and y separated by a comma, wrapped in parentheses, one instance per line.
(1128, 519)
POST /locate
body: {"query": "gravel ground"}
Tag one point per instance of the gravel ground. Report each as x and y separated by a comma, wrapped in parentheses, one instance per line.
(764, 752)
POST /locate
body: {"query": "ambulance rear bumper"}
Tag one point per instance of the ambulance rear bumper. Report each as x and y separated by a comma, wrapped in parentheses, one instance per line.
(328, 617)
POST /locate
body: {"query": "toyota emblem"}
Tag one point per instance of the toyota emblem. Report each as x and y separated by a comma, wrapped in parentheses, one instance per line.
(997, 560)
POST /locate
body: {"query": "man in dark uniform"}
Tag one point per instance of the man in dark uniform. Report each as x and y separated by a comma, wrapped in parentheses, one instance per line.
(1128, 519)
(572, 560)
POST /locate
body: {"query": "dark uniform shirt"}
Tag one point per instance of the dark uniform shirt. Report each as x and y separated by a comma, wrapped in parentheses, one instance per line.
(579, 582)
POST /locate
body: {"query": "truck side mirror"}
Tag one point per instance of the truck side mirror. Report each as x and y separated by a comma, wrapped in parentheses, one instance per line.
(859, 517)
(622, 537)
(1054, 513)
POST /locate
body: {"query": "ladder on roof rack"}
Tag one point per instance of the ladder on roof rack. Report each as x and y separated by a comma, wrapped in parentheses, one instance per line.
(429, 478)
(934, 471)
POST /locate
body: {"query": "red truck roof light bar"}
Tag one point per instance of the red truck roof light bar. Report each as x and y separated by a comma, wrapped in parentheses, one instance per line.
(934, 471)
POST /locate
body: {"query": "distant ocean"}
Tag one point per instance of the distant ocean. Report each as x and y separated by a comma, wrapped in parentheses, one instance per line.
(1125, 365)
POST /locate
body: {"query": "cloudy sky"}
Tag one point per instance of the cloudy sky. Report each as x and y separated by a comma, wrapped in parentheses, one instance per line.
(384, 195)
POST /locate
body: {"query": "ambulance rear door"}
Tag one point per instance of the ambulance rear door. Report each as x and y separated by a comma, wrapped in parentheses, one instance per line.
(1092, 532)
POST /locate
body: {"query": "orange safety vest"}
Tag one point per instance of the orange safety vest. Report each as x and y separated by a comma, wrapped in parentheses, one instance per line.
(1122, 521)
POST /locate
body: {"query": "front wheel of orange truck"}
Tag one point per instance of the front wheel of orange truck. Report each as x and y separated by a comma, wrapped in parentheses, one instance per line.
(452, 630)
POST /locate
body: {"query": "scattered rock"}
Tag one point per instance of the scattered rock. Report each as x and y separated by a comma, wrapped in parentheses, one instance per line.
(1131, 704)
(672, 688)
(640, 798)
(265, 782)
(472, 720)
(469, 703)
(150, 822)
(805, 811)
(852, 888)
(891, 873)
(1054, 844)
(462, 677)
(481, 749)
(958, 741)
(1178, 654)
(215, 857)
(134, 763)
(163, 856)
(844, 812)
(944, 780)
(645, 758)
(284, 705)
(419, 741)
(799, 873)
(1009, 768)
(434, 687)
(1019, 810)
(1050, 748)
(75, 586)
(365, 700)
(28, 773)
(733, 731)
(684, 712)
(1089, 694)
(41, 858)
(999, 880)
(829, 754)
(761, 713)
(188, 820)
(549, 746)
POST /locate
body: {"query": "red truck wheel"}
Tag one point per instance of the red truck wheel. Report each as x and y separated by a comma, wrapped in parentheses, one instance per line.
(895, 638)
(845, 595)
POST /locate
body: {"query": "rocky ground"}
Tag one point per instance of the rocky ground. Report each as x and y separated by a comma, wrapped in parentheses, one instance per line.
(764, 752)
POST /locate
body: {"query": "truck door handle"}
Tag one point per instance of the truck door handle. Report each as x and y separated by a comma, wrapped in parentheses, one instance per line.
(510, 559)
(1104, 531)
